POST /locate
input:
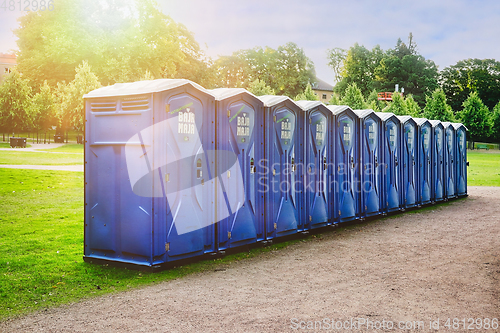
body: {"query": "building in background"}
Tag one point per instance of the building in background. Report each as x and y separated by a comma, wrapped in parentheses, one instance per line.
(7, 63)
(323, 90)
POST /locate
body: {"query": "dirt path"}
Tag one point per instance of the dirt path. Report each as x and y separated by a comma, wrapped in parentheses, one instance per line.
(435, 264)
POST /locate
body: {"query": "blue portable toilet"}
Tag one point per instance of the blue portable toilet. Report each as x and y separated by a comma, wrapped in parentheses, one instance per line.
(450, 170)
(318, 167)
(149, 186)
(438, 174)
(391, 143)
(281, 179)
(346, 147)
(424, 153)
(240, 130)
(410, 161)
(461, 158)
(371, 162)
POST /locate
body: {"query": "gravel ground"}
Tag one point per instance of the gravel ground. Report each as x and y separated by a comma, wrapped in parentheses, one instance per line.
(415, 267)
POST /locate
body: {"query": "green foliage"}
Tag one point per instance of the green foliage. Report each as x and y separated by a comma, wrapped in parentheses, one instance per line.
(334, 100)
(259, 88)
(376, 69)
(336, 57)
(476, 117)
(72, 107)
(373, 102)
(437, 108)
(307, 95)
(16, 112)
(286, 70)
(43, 108)
(495, 119)
(359, 67)
(412, 107)
(466, 76)
(353, 98)
(119, 39)
(397, 106)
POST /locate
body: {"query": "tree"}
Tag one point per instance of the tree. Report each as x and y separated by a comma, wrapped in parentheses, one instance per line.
(411, 71)
(259, 88)
(119, 39)
(359, 67)
(397, 106)
(466, 76)
(437, 108)
(15, 103)
(307, 95)
(286, 70)
(476, 117)
(71, 97)
(337, 57)
(353, 98)
(413, 109)
(373, 102)
(43, 109)
(495, 122)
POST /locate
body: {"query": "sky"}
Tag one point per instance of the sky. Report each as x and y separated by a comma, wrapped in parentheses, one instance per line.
(445, 31)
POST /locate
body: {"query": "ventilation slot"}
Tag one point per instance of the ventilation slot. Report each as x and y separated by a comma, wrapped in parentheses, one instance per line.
(103, 106)
(139, 103)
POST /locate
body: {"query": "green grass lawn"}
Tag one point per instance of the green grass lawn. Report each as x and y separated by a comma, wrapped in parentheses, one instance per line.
(23, 158)
(67, 148)
(484, 168)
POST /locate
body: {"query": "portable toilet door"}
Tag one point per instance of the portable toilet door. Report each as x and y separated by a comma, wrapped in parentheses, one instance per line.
(461, 159)
(438, 163)
(318, 169)
(148, 193)
(424, 152)
(282, 180)
(410, 161)
(450, 171)
(240, 134)
(392, 181)
(371, 162)
(346, 147)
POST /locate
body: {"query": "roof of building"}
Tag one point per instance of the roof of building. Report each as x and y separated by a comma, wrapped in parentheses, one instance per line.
(142, 87)
(308, 105)
(404, 119)
(336, 109)
(8, 58)
(223, 93)
(435, 123)
(322, 85)
(271, 100)
(385, 115)
(420, 121)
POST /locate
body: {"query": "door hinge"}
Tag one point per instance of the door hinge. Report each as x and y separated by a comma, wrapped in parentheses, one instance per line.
(167, 108)
(310, 218)
(167, 247)
(275, 226)
(274, 118)
(228, 113)
(229, 234)
(228, 173)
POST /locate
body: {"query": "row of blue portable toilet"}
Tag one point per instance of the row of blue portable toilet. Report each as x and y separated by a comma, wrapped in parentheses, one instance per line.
(174, 171)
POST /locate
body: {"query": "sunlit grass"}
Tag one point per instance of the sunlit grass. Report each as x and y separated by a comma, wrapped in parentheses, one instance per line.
(67, 148)
(34, 158)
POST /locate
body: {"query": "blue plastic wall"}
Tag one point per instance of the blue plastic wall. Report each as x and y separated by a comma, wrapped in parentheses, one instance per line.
(393, 164)
(438, 160)
(461, 159)
(282, 180)
(347, 162)
(450, 167)
(371, 165)
(410, 160)
(149, 190)
(318, 168)
(240, 124)
(424, 152)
